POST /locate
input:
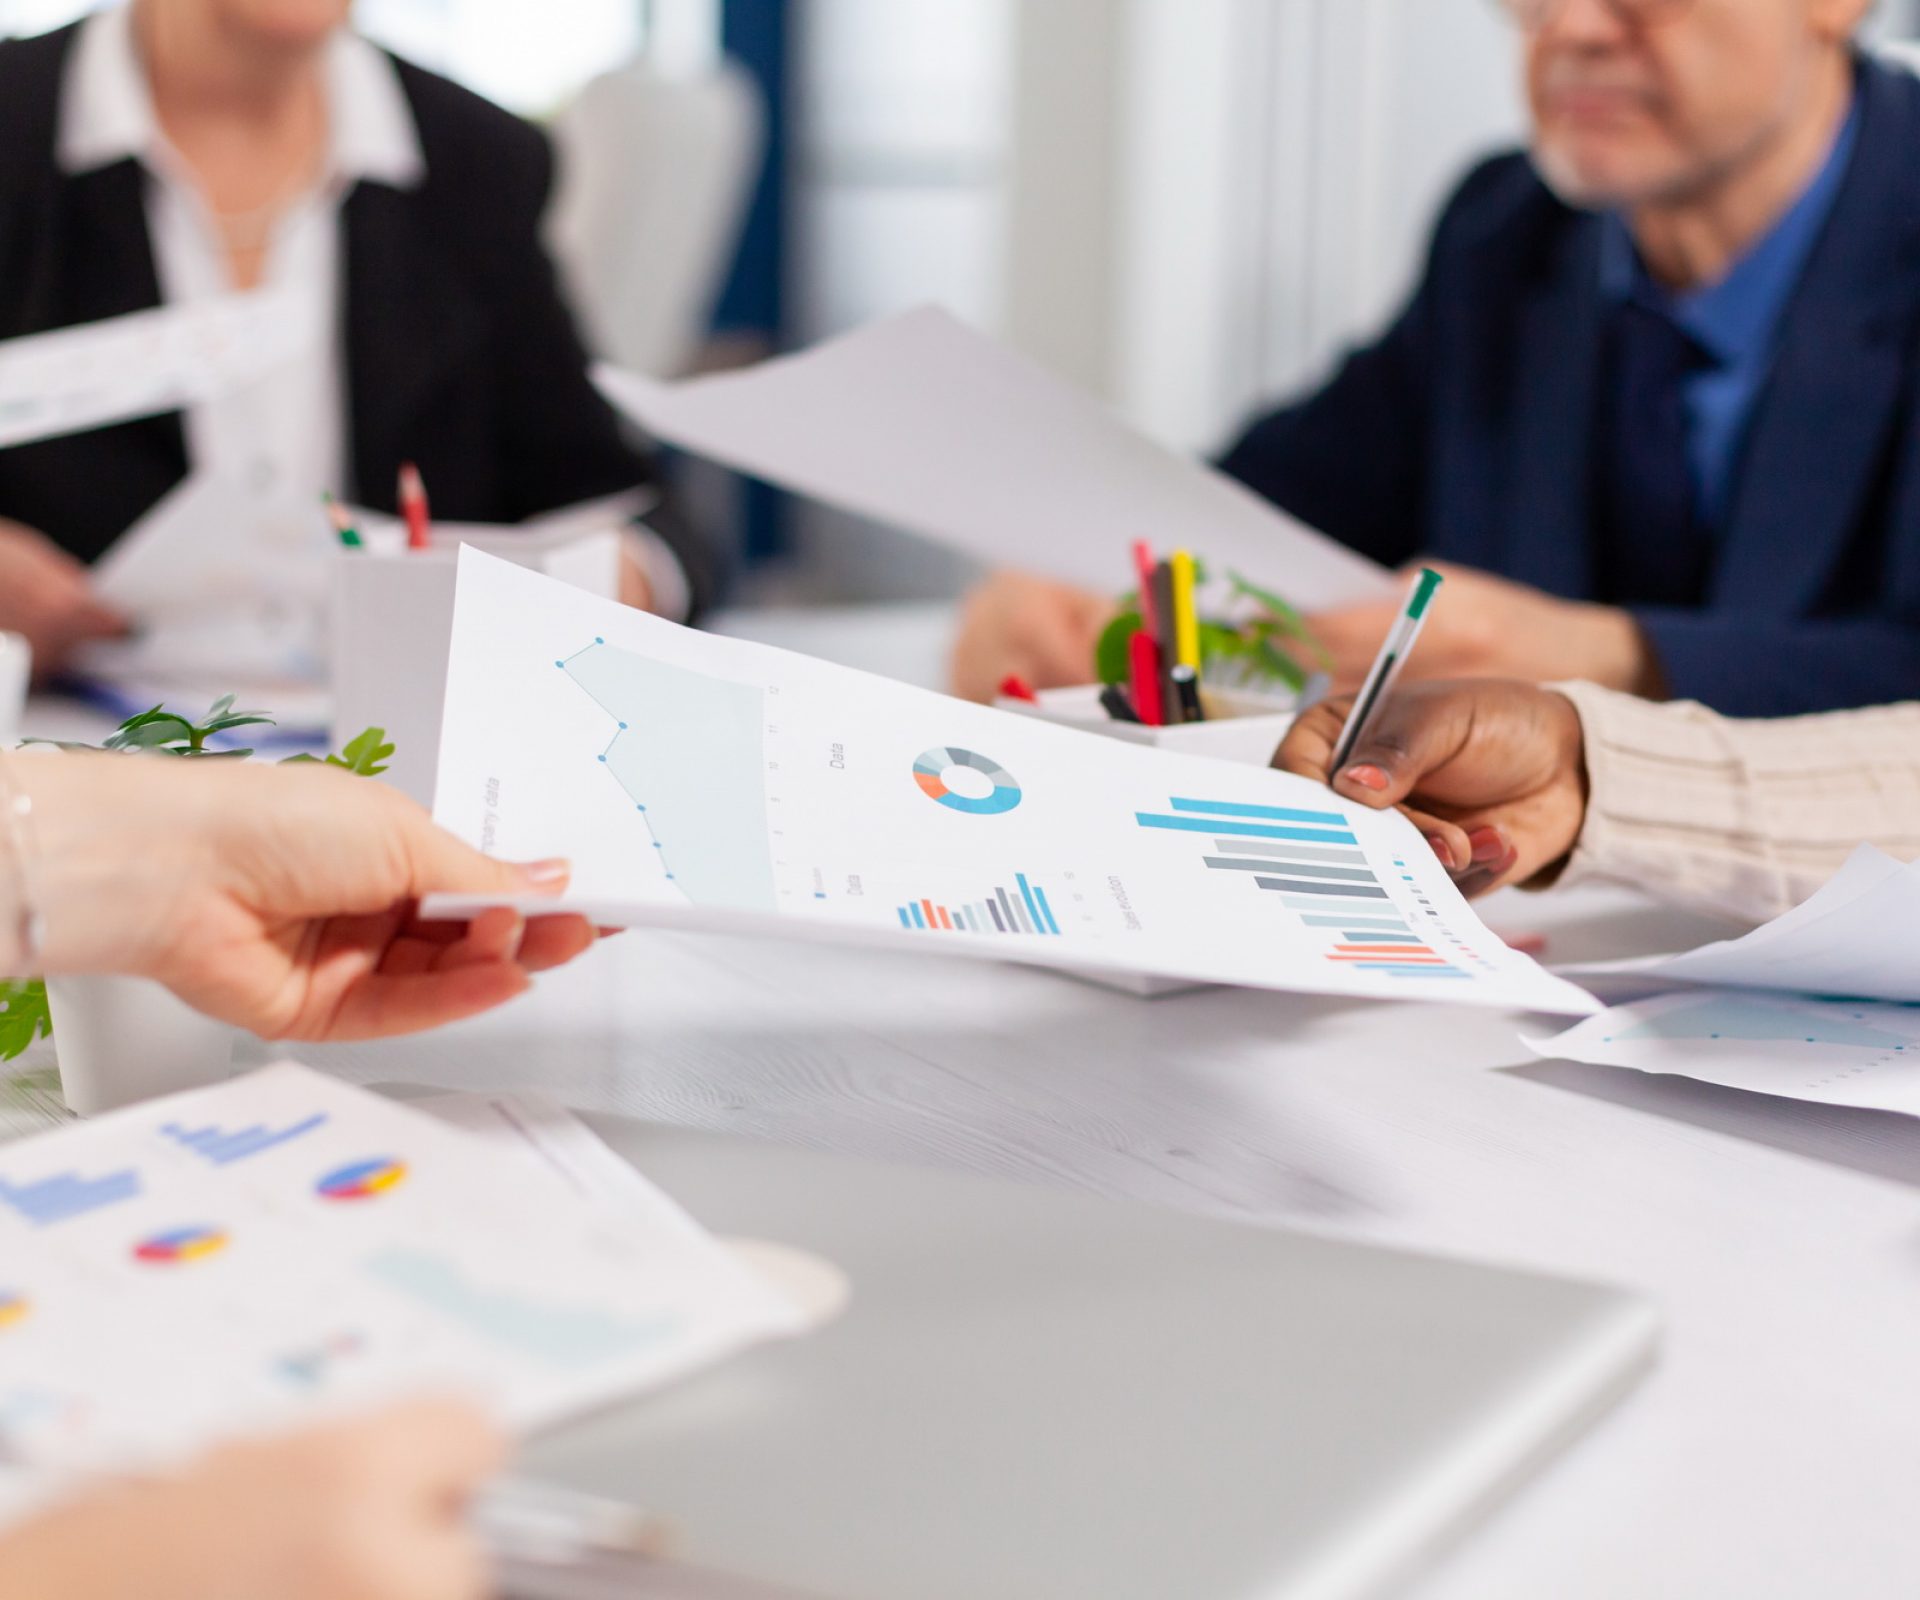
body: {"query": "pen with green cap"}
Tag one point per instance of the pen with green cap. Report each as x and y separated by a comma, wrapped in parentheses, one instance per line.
(1385, 671)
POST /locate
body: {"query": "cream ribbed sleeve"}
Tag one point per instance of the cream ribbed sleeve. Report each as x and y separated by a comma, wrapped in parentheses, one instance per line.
(1741, 818)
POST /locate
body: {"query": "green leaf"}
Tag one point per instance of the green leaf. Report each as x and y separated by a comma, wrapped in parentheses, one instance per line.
(1111, 660)
(1220, 642)
(219, 708)
(145, 719)
(1286, 617)
(238, 719)
(151, 733)
(364, 754)
(1282, 611)
(24, 1016)
(1276, 663)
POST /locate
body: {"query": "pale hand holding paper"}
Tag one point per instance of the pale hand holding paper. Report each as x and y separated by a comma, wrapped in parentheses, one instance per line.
(924, 424)
(697, 782)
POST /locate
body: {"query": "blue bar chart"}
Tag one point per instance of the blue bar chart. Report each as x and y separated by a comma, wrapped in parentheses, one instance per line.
(1022, 909)
(1312, 863)
(222, 1146)
(66, 1195)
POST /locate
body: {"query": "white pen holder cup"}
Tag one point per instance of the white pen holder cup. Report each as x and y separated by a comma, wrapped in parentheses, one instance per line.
(16, 670)
(1244, 725)
(393, 626)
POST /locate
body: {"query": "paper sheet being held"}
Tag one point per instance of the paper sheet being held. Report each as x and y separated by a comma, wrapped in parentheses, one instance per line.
(149, 362)
(928, 426)
(711, 784)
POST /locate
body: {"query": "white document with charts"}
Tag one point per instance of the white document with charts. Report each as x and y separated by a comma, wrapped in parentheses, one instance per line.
(706, 783)
(284, 1245)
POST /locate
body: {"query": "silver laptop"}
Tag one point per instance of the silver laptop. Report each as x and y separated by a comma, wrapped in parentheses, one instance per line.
(1035, 1396)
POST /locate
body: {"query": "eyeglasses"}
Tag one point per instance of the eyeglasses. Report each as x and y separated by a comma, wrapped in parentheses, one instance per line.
(1532, 15)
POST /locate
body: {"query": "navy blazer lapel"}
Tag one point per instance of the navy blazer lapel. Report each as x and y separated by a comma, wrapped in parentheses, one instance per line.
(1546, 535)
(409, 331)
(1823, 421)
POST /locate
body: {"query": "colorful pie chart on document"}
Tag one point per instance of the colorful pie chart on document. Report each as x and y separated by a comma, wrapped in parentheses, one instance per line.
(177, 1246)
(362, 1180)
(962, 780)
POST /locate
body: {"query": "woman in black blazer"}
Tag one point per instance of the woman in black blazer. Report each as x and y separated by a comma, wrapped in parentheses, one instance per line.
(187, 137)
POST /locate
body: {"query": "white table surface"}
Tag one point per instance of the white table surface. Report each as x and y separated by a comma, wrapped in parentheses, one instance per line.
(1773, 1453)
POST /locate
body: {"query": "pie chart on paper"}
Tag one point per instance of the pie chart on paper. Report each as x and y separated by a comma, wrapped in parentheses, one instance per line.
(986, 790)
(362, 1180)
(177, 1246)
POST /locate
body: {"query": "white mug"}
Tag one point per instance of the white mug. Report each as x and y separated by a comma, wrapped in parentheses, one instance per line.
(16, 668)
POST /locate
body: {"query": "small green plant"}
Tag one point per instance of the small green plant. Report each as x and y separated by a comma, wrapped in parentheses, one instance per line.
(1262, 648)
(24, 1016)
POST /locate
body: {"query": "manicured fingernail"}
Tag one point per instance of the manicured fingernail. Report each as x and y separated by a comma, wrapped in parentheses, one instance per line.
(1442, 849)
(547, 874)
(1487, 845)
(1368, 778)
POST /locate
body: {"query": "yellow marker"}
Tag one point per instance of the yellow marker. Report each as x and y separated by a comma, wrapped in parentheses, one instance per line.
(1186, 620)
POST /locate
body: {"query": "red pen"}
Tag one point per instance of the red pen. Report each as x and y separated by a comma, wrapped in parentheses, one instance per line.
(413, 506)
(1015, 687)
(1143, 565)
(1143, 662)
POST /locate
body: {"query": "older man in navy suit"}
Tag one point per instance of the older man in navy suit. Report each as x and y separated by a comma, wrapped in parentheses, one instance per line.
(1656, 400)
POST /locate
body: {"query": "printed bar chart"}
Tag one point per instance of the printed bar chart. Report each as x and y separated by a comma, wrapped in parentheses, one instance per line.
(1312, 861)
(66, 1195)
(222, 1146)
(1329, 891)
(1023, 909)
(1228, 808)
(1246, 830)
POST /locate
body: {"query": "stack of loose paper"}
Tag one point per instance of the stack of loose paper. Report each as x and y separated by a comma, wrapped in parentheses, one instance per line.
(703, 783)
(1820, 1004)
(928, 426)
(283, 1246)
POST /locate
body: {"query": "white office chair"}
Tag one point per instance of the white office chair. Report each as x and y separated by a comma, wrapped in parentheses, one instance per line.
(656, 172)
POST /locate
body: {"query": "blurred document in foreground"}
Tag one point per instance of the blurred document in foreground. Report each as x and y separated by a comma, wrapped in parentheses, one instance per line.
(242, 1257)
(931, 427)
(712, 784)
